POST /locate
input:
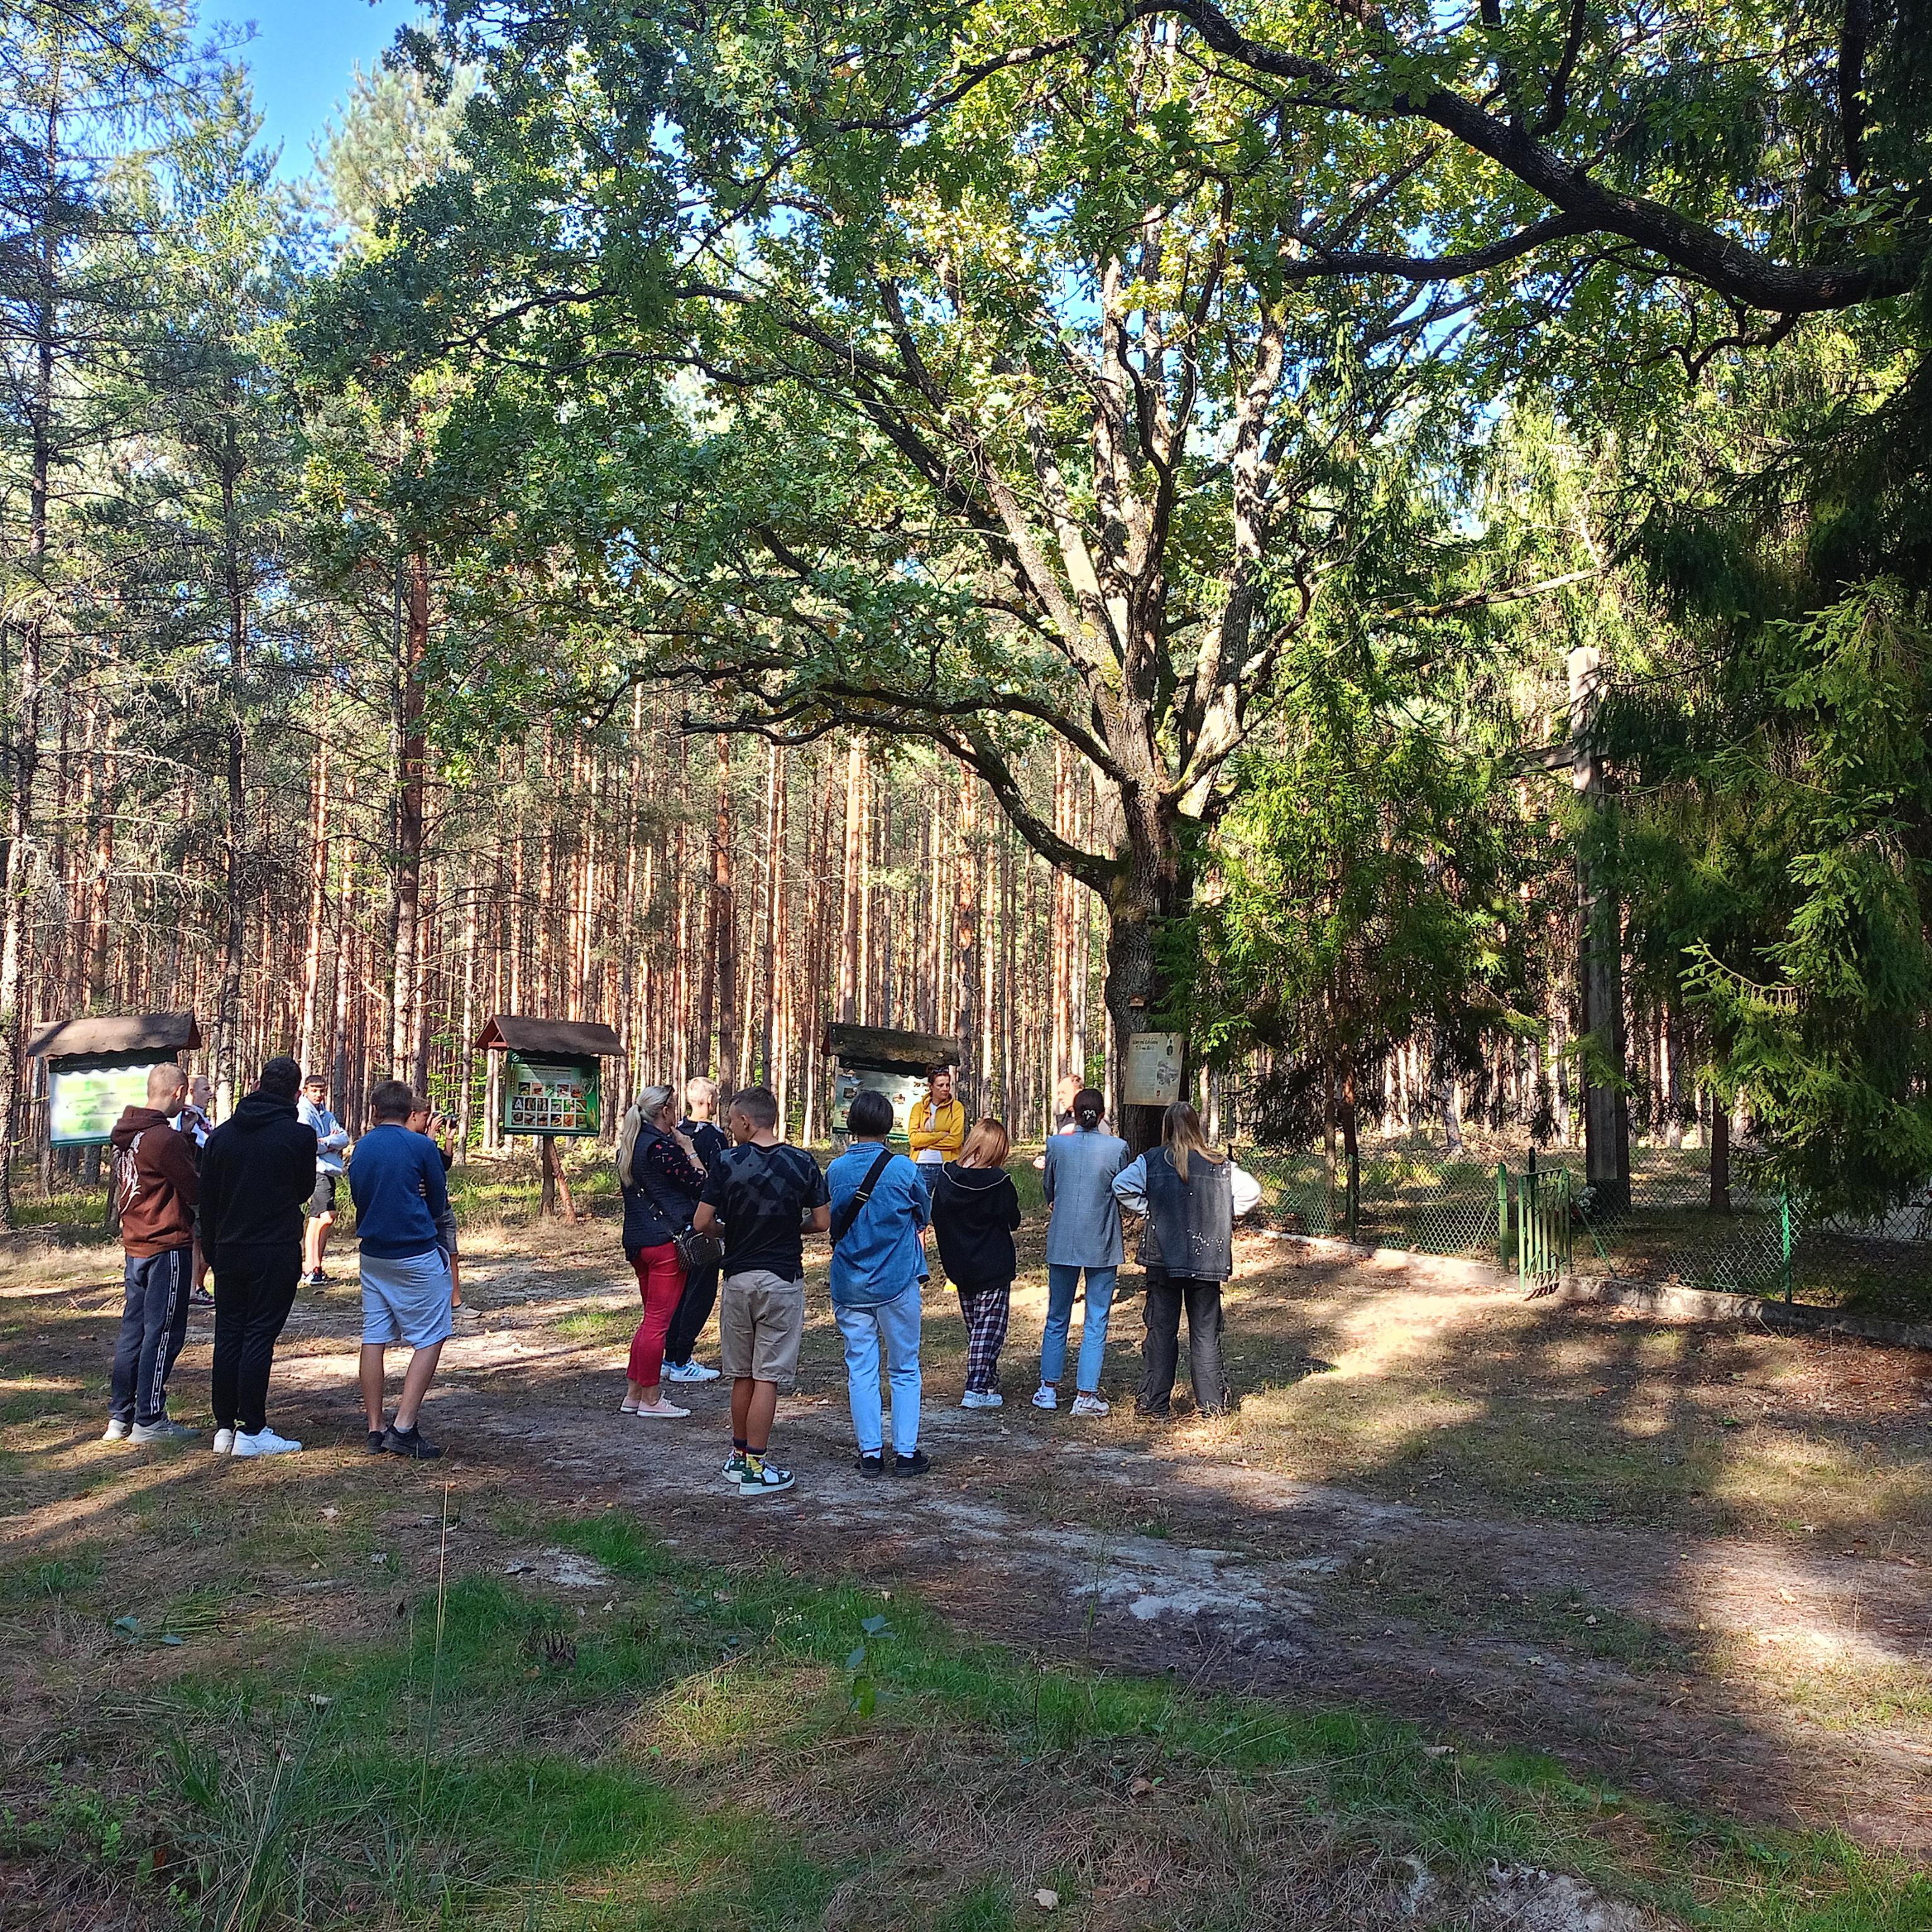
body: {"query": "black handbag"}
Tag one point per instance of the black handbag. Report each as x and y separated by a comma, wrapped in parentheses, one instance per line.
(698, 1253)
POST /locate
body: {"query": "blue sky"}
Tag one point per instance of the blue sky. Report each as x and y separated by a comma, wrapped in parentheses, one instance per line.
(300, 57)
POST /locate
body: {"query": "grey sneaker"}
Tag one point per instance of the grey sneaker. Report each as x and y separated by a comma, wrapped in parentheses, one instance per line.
(163, 1431)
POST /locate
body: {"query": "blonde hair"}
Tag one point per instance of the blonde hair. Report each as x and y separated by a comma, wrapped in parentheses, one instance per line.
(986, 1145)
(651, 1103)
(628, 1129)
(1180, 1134)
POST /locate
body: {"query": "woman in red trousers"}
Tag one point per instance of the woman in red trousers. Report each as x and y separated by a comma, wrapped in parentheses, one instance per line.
(661, 1177)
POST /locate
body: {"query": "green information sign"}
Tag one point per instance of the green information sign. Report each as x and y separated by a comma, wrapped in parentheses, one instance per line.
(555, 1096)
(83, 1103)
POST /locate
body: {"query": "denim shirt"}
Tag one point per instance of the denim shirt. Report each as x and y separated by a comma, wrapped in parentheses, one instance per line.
(881, 1256)
(1085, 1229)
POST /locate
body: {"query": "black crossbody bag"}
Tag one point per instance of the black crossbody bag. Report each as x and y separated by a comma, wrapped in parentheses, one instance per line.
(841, 1223)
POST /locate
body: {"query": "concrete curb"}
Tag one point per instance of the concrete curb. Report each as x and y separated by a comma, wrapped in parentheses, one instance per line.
(1673, 1303)
(1702, 1304)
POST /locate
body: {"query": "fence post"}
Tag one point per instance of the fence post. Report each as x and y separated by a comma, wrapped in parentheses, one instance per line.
(1564, 1256)
(1502, 1213)
(1355, 1196)
(1784, 1241)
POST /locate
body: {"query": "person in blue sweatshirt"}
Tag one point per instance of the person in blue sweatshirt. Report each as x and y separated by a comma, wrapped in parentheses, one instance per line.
(396, 1179)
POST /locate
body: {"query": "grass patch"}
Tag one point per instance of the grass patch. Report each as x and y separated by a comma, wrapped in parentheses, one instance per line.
(597, 1324)
(689, 1746)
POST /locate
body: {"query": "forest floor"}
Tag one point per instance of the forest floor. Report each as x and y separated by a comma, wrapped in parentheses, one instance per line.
(1471, 1587)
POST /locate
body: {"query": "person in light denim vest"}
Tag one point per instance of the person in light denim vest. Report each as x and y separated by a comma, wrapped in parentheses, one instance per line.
(1083, 1237)
(1190, 1198)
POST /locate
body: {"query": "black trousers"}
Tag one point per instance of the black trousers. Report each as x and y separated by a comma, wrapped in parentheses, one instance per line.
(254, 1289)
(693, 1310)
(1167, 1296)
(154, 1325)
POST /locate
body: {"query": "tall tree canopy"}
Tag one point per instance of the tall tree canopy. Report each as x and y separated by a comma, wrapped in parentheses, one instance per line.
(1001, 414)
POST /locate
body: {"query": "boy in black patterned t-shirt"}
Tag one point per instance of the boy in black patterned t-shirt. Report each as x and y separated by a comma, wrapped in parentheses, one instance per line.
(763, 1197)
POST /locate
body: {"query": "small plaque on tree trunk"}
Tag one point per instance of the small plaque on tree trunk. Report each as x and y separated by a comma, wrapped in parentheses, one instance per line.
(1150, 1074)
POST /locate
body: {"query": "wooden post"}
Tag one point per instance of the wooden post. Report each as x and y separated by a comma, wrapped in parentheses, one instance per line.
(555, 1199)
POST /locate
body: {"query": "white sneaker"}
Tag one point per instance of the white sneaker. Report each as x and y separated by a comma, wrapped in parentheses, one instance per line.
(264, 1442)
(982, 1398)
(1045, 1396)
(116, 1430)
(688, 1372)
(224, 1441)
(1091, 1405)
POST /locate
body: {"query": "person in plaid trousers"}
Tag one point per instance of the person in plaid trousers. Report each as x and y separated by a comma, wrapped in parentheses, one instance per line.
(975, 1210)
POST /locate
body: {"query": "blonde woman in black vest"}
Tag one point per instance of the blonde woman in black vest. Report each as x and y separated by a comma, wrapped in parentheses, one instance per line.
(1190, 1197)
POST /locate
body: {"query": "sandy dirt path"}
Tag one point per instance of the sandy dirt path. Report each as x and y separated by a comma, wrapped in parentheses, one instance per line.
(1176, 1557)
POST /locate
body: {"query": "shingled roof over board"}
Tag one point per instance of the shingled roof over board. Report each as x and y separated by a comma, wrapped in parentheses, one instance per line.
(158, 1034)
(889, 1050)
(566, 1037)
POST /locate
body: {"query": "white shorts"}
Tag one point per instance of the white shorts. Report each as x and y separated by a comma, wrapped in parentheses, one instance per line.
(406, 1300)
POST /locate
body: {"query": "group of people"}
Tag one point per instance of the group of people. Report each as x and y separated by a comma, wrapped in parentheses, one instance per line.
(721, 1217)
(714, 1215)
(235, 1197)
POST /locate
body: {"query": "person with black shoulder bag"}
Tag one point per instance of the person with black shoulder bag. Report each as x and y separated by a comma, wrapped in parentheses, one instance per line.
(879, 1206)
(660, 1178)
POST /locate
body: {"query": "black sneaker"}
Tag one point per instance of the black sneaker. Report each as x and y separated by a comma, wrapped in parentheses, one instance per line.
(871, 1466)
(916, 1464)
(412, 1443)
(377, 1437)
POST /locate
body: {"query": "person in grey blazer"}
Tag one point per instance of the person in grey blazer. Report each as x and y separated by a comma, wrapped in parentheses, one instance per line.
(1083, 1237)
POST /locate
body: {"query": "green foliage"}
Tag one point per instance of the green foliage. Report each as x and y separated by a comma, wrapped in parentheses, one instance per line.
(1822, 812)
(1374, 881)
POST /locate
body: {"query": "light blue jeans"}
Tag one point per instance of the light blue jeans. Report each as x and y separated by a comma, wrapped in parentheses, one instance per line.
(893, 1324)
(1061, 1281)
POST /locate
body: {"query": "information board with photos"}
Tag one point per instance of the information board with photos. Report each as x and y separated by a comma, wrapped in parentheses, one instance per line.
(83, 1103)
(555, 1097)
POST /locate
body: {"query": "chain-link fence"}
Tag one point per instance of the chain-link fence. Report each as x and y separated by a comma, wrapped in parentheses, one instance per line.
(1392, 1197)
(1536, 1213)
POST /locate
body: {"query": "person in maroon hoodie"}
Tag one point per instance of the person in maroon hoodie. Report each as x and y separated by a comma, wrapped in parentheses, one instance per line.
(156, 1185)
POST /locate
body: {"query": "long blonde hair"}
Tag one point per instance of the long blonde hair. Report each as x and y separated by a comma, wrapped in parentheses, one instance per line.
(628, 1129)
(1180, 1134)
(646, 1106)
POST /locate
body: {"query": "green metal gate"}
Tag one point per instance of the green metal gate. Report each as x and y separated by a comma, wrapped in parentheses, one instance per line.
(1542, 1227)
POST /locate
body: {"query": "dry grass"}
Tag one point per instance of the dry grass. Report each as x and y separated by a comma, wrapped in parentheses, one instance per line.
(683, 1744)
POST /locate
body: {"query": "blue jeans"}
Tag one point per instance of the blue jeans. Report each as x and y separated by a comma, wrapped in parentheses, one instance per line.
(1061, 1281)
(895, 1324)
(154, 1325)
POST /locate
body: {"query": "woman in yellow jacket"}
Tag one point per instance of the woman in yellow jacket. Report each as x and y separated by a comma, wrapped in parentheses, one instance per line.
(936, 1126)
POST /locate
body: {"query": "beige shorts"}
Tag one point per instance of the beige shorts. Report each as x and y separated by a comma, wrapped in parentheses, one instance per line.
(761, 1324)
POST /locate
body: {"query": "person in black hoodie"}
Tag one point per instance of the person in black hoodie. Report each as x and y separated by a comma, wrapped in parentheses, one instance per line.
(975, 1209)
(257, 1170)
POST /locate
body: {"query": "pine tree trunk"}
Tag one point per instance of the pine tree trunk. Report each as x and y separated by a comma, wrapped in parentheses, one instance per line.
(723, 959)
(318, 905)
(414, 752)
